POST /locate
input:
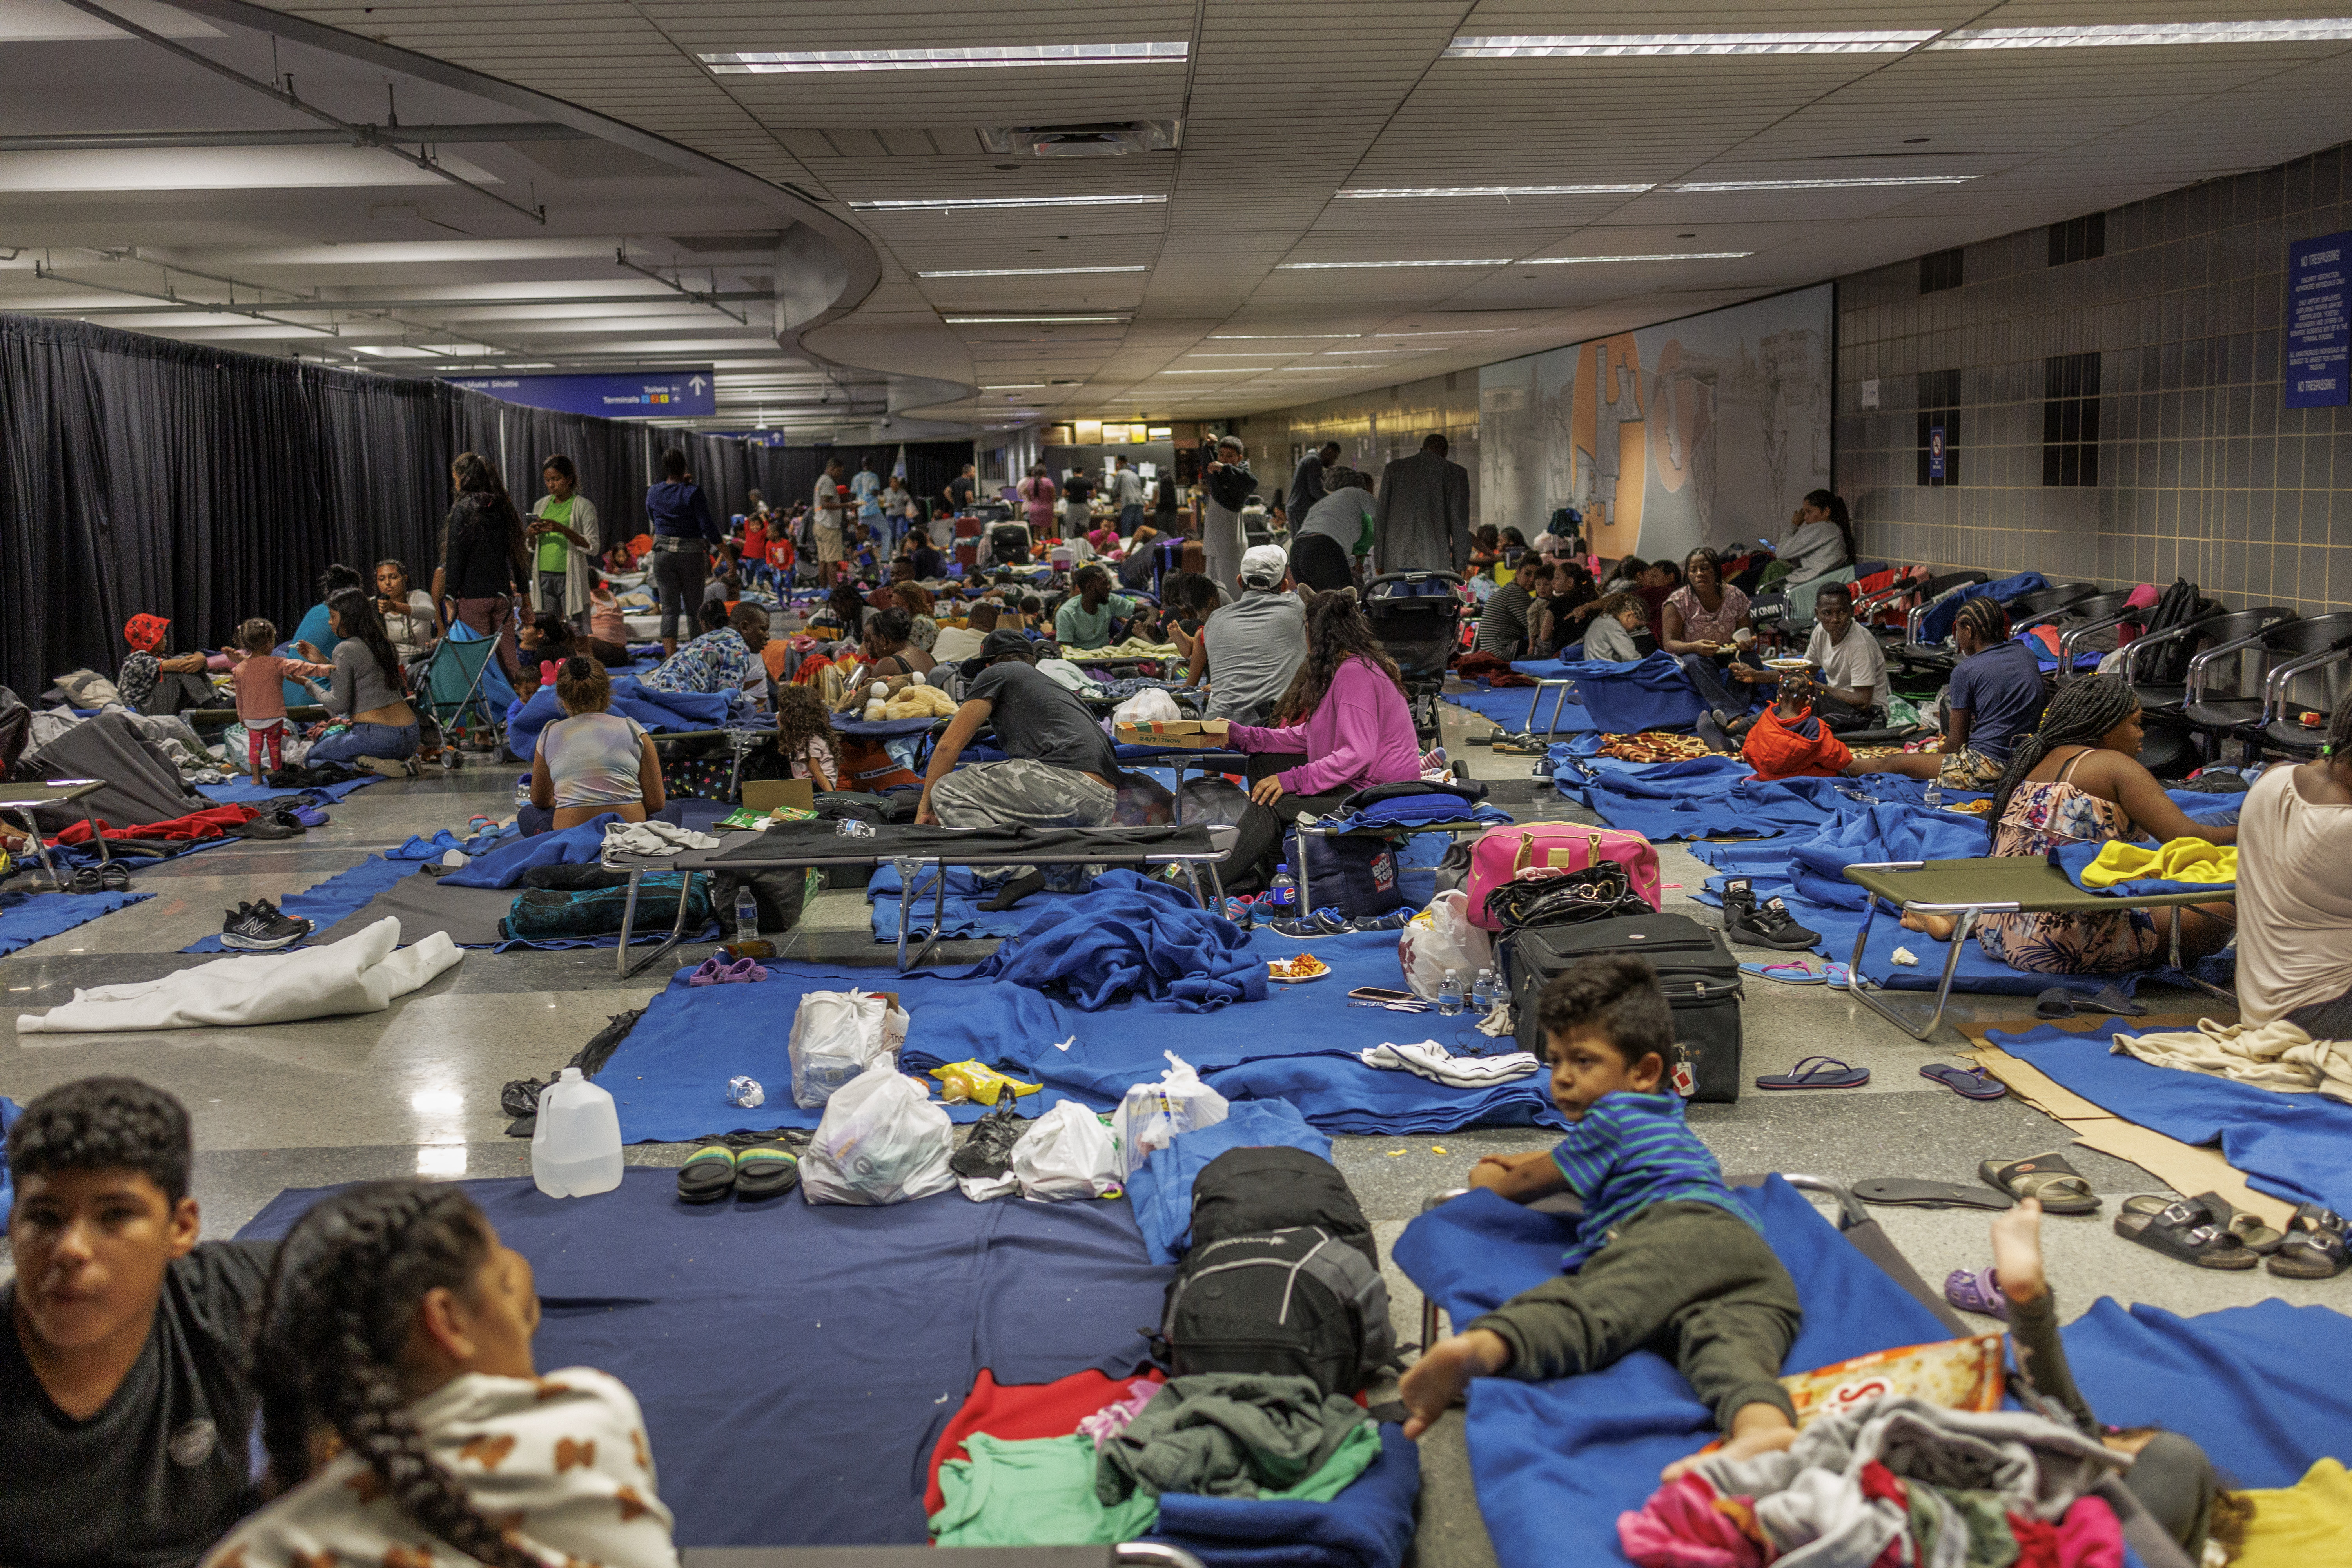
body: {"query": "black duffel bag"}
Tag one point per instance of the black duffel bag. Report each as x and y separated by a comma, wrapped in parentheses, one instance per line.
(1600, 891)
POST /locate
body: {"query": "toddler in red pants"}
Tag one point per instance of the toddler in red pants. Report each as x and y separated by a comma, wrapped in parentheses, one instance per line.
(261, 675)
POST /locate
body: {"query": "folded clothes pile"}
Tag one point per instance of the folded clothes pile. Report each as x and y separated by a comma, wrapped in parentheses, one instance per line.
(1432, 1061)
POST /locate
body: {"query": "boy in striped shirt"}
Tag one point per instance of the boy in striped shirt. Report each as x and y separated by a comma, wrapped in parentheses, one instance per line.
(1662, 1257)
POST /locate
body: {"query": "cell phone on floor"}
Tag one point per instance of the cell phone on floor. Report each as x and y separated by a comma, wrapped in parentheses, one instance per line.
(1380, 994)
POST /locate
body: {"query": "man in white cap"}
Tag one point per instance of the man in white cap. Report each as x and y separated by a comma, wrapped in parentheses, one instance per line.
(1252, 647)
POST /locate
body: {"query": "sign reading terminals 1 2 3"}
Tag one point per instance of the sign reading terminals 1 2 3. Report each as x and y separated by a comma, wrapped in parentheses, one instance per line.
(673, 393)
(2318, 372)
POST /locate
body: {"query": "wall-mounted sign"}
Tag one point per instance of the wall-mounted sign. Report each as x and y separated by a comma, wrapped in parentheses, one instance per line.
(674, 393)
(1936, 452)
(2318, 371)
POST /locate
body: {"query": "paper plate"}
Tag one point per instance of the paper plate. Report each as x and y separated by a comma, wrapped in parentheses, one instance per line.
(1294, 978)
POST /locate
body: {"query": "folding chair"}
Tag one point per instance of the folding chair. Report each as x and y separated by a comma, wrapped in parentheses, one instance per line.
(450, 685)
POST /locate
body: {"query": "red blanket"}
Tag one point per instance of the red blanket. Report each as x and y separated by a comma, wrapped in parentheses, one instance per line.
(208, 824)
(1793, 748)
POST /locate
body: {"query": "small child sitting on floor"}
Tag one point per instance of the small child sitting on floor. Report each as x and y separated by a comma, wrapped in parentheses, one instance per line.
(261, 692)
(1663, 1257)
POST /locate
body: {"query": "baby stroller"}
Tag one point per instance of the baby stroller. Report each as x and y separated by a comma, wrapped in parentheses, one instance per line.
(1008, 543)
(1417, 617)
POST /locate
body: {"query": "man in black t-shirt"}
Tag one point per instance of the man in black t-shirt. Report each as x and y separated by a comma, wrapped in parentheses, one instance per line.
(961, 489)
(1058, 770)
(125, 1413)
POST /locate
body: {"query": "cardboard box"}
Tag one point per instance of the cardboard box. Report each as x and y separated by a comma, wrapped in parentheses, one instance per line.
(766, 795)
(1187, 734)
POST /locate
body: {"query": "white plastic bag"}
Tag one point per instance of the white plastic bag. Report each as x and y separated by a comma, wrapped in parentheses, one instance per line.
(1148, 706)
(1441, 938)
(836, 1035)
(1068, 1153)
(881, 1141)
(1152, 1114)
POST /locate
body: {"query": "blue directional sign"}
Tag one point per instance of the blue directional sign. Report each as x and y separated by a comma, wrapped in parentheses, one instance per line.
(2318, 324)
(678, 394)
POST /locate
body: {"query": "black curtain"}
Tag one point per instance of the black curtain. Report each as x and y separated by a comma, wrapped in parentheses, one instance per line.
(210, 486)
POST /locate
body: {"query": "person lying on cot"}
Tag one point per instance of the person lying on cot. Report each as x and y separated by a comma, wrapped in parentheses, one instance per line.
(124, 1397)
(403, 1414)
(2077, 779)
(1663, 1256)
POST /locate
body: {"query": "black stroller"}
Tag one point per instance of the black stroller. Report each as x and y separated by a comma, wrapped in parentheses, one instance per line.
(1417, 616)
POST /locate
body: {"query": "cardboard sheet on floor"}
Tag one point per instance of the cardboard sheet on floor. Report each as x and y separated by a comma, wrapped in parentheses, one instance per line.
(669, 1076)
(759, 1323)
(2290, 1146)
(245, 792)
(29, 918)
(2238, 1381)
(1555, 1463)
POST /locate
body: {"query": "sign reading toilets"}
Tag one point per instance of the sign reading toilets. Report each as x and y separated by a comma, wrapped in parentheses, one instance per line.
(667, 393)
(1708, 430)
(2318, 329)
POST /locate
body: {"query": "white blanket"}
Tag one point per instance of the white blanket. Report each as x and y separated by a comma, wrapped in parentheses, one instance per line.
(2276, 1054)
(360, 973)
(1432, 1061)
(652, 838)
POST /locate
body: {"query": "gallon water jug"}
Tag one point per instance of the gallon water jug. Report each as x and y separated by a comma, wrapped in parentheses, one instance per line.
(575, 1150)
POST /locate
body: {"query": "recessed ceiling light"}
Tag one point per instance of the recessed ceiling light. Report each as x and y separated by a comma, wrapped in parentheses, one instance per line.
(1025, 271)
(2303, 31)
(765, 62)
(1351, 266)
(1017, 321)
(1662, 256)
(1365, 351)
(954, 204)
(1015, 386)
(1227, 369)
(1280, 337)
(1852, 183)
(1475, 47)
(1398, 191)
(1449, 333)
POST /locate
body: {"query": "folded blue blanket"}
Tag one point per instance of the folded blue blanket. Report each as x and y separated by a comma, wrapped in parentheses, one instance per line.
(420, 847)
(1162, 1187)
(1419, 810)
(1369, 1525)
(1130, 936)
(656, 710)
(504, 865)
(2075, 858)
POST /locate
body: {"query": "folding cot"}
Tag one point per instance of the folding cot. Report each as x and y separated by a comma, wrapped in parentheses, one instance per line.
(24, 799)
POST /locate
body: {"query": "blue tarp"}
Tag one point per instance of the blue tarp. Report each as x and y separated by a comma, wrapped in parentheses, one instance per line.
(1555, 1463)
(2294, 1146)
(2075, 858)
(656, 710)
(29, 918)
(1162, 1187)
(1130, 936)
(243, 790)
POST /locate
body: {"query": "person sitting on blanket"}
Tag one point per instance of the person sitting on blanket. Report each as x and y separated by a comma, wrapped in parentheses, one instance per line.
(1996, 695)
(1788, 741)
(2295, 902)
(805, 738)
(1357, 732)
(1853, 690)
(1058, 763)
(124, 1390)
(724, 658)
(591, 762)
(404, 1419)
(2077, 780)
(1620, 631)
(1663, 1256)
(148, 662)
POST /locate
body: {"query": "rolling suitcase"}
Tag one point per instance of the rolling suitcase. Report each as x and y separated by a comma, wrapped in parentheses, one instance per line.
(1695, 970)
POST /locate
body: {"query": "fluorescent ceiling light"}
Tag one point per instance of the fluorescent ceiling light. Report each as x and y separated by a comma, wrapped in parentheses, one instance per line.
(1662, 256)
(768, 62)
(1228, 370)
(222, 169)
(1397, 191)
(1833, 185)
(1026, 271)
(46, 21)
(1235, 353)
(1449, 333)
(955, 203)
(1350, 266)
(1015, 320)
(1279, 337)
(1015, 386)
(2304, 30)
(1477, 46)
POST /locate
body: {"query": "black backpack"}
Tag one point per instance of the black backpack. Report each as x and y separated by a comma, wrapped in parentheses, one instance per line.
(1249, 1191)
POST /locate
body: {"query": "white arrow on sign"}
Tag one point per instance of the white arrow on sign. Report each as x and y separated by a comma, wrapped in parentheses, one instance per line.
(697, 384)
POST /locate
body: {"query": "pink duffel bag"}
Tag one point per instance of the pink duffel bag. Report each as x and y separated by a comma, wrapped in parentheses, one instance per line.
(1502, 853)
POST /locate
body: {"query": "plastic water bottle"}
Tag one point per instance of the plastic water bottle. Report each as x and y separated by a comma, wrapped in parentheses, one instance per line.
(1449, 994)
(575, 1148)
(747, 915)
(1481, 992)
(1283, 892)
(1934, 797)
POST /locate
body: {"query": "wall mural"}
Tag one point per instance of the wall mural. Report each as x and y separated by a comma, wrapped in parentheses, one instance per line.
(1705, 430)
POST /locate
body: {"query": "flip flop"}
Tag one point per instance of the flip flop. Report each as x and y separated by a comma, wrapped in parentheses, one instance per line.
(713, 970)
(1976, 1290)
(1973, 1082)
(1816, 1072)
(708, 1175)
(766, 1171)
(742, 971)
(2048, 1177)
(1841, 977)
(2313, 1247)
(1903, 1191)
(1789, 972)
(2185, 1231)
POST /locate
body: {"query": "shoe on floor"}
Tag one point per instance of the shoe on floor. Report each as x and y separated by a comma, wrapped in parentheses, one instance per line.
(1395, 920)
(1768, 924)
(1321, 924)
(259, 927)
(384, 767)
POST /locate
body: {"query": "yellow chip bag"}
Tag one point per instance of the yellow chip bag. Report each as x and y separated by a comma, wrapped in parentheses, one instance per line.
(975, 1081)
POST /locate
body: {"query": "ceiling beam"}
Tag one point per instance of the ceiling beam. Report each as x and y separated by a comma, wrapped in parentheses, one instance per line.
(358, 136)
(334, 305)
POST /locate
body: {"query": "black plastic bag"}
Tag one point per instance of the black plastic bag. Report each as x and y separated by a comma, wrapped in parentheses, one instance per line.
(988, 1151)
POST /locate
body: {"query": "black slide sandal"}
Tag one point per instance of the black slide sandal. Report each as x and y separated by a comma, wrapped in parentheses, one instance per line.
(2185, 1231)
(708, 1175)
(2059, 1187)
(769, 1170)
(2313, 1247)
(1902, 1192)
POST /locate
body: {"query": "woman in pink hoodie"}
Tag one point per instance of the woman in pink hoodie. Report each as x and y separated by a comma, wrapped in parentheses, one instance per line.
(1358, 732)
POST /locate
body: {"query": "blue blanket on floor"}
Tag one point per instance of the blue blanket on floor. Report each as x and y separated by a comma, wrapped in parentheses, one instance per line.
(502, 866)
(1623, 698)
(963, 917)
(1708, 797)
(1350, 1097)
(325, 904)
(2075, 858)
(1162, 1187)
(245, 792)
(2293, 1146)
(1369, 1525)
(1508, 706)
(1130, 936)
(29, 918)
(420, 847)
(656, 710)
(1555, 1463)
(2238, 1380)
(829, 1425)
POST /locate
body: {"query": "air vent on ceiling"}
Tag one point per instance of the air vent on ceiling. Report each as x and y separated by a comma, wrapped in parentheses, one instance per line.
(1101, 138)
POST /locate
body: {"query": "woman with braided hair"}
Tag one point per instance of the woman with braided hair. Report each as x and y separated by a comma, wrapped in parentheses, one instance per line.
(2077, 780)
(1996, 695)
(403, 1418)
(2295, 899)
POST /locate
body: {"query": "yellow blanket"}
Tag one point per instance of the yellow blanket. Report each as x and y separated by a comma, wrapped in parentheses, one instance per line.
(2302, 1525)
(2182, 861)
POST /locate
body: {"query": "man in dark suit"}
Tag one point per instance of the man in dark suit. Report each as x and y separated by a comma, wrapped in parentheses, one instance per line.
(1425, 513)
